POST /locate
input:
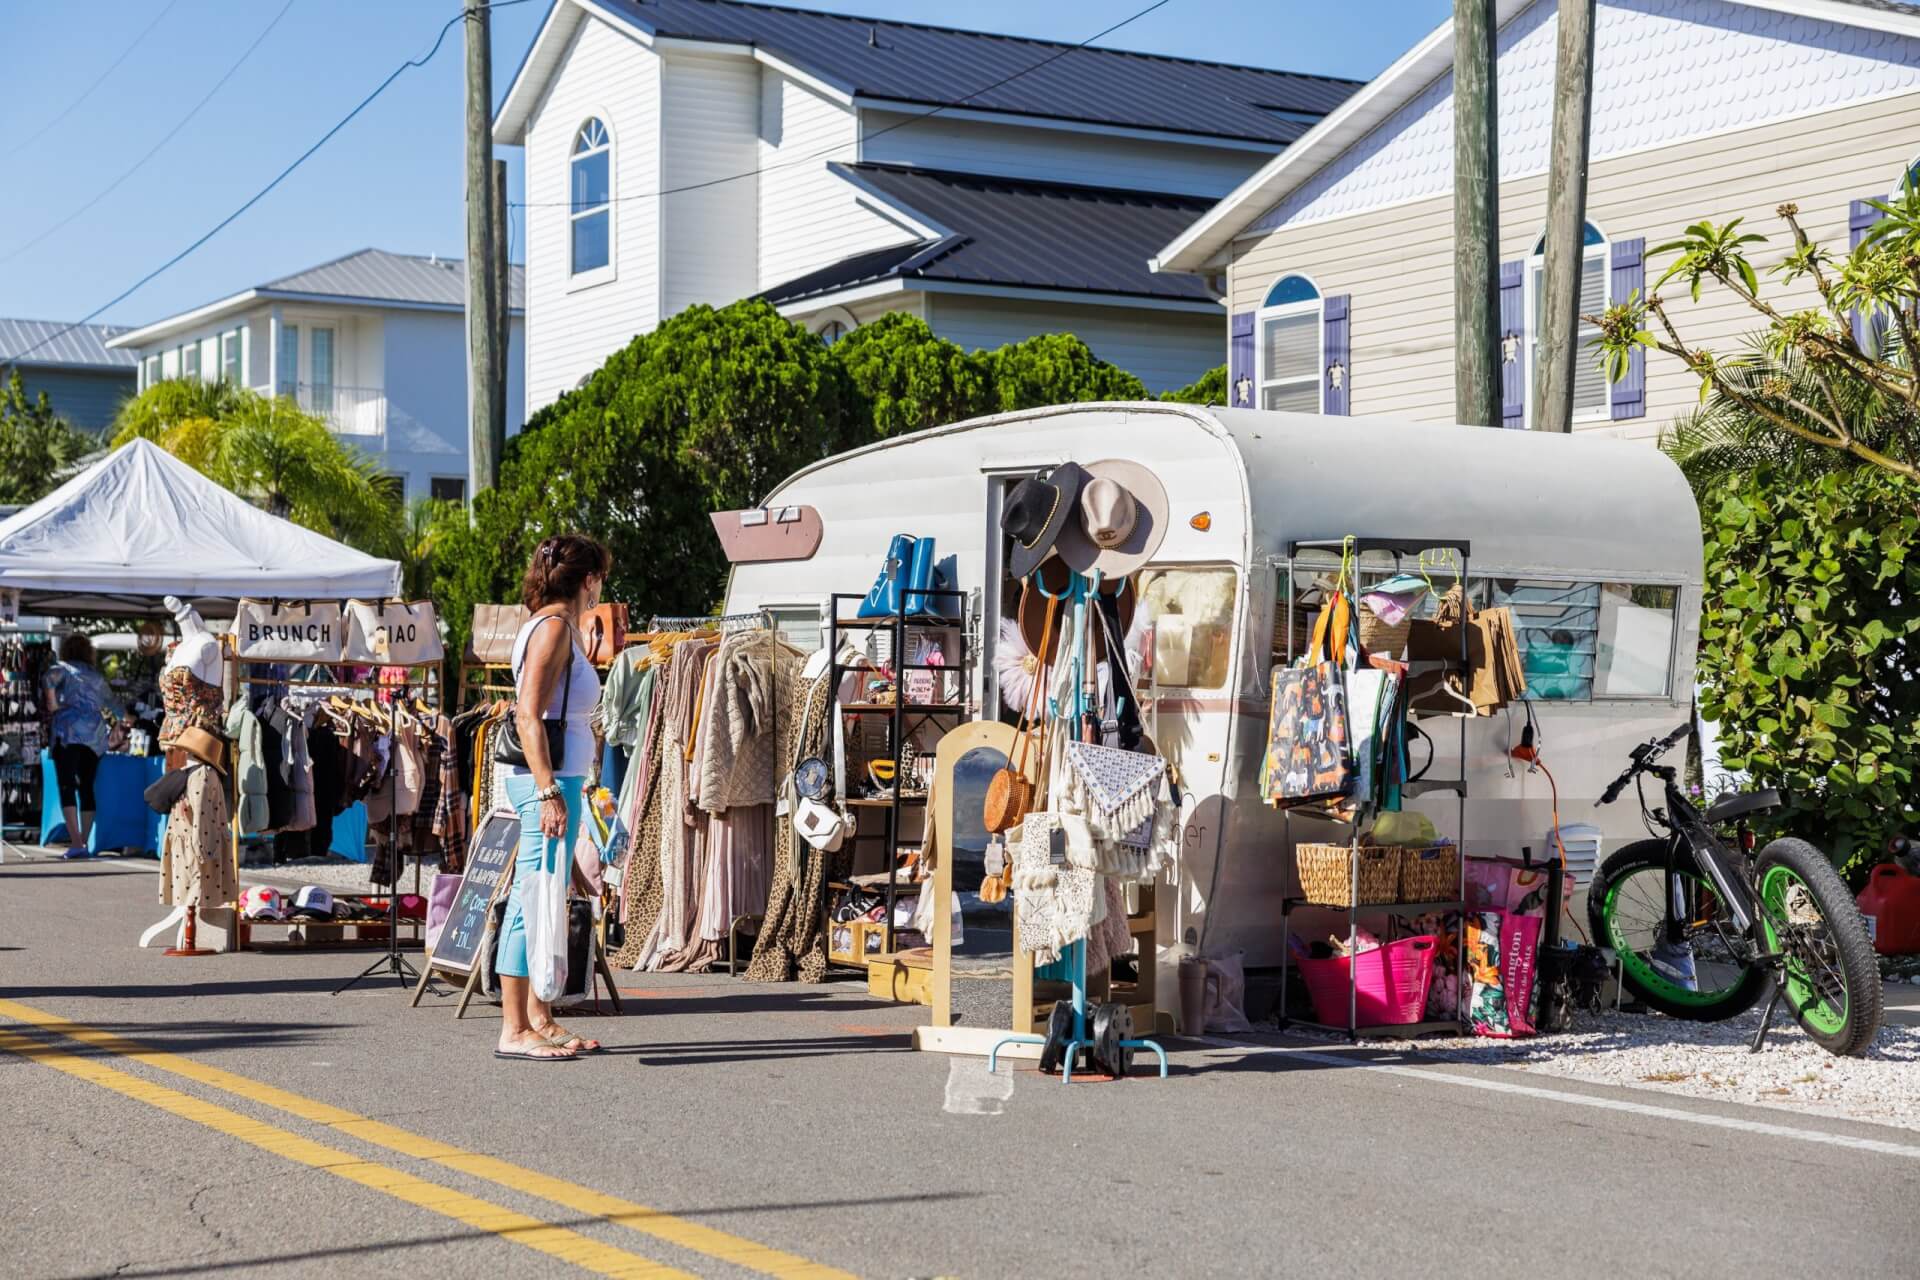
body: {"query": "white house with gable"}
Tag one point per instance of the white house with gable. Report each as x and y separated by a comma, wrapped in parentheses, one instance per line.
(703, 151)
(1338, 254)
(374, 344)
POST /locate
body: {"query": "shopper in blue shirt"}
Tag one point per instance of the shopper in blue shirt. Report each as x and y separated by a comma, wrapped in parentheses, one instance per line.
(79, 700)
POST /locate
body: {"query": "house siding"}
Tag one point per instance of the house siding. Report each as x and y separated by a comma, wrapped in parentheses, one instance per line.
(571, 333)
(709, 133)
(1396, 262)
(86, 398)
(810, 218)
(1164, 349)
(1054, 155)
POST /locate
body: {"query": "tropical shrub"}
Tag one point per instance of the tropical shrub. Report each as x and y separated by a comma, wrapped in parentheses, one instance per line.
(36, 444)
(1209, 388)
(1809, 643)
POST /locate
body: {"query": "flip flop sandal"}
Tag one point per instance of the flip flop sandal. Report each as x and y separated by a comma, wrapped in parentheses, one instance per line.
(568, 1041)
(528, 1055)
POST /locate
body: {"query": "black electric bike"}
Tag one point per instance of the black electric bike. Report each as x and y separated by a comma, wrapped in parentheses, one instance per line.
(1703, 929)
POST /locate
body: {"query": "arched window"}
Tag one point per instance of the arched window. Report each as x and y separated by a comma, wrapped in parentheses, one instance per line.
(1912, 178)
(833, 324)
(590, 175)
(1288, 359)
(1591, 390)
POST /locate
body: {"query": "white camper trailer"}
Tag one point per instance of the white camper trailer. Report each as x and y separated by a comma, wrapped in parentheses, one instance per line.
(1595, 544)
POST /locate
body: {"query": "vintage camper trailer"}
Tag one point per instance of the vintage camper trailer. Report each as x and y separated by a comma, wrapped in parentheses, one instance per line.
(1595, 544)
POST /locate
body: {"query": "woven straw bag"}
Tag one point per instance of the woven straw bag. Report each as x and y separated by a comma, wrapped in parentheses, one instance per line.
(1326, 874)
(1383, 638)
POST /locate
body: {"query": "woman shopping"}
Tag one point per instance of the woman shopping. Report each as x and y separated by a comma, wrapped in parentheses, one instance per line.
(79, 701)
(551, 751)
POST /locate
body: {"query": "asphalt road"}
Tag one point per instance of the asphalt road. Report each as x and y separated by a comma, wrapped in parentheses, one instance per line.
(228, 1116)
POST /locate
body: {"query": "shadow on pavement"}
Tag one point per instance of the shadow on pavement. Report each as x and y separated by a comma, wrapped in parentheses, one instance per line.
(181, 1037)
(187, 987)
(265, 1261)
(704, 1052)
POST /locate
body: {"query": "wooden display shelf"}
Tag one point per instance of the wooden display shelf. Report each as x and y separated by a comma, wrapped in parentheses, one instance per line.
(911, 708)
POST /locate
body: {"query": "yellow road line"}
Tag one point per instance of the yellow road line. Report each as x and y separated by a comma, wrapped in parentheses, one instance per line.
(569, 1246)
(572, 1195)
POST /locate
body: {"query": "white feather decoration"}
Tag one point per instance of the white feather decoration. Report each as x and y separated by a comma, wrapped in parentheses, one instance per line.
(1013, 667)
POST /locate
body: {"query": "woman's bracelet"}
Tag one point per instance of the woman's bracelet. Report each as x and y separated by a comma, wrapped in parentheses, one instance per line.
(549, 792)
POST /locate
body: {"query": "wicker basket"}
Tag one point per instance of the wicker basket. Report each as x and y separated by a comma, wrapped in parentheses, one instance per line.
(1326, 874)
(1430, 875)
(1302, 630)
(1384, 639)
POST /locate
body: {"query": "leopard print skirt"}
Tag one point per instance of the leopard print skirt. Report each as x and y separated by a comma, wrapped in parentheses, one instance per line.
(643, 889)
(792, 940)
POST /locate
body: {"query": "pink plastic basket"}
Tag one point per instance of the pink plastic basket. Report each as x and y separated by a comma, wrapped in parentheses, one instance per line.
(1393, 982)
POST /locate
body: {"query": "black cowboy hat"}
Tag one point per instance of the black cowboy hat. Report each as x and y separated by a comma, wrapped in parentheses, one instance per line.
(1036, 512)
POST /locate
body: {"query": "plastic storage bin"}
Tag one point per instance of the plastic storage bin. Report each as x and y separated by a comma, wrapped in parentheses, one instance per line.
(1392, 981)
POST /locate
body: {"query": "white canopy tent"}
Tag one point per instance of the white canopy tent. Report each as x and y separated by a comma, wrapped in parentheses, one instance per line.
(140, 525)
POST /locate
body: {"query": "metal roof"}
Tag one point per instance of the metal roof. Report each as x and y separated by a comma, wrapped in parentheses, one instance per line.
(80, 347)
(1012, 232)
(944, 66)
(379, 276)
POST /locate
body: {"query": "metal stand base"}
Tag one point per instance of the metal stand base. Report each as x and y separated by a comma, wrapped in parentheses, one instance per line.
(392, 962)
(1076, 958)
(188, 951)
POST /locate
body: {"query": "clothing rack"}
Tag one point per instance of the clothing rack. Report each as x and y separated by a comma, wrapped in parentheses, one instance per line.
(1399, 549)
(23, 774)
(723, 622)
(421, 678)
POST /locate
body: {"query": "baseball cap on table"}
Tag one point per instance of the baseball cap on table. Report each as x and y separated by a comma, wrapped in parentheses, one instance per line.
(262, 902)
(313, 903)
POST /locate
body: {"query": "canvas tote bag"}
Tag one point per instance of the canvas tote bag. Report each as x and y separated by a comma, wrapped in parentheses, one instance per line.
(289, 630)
(393, 633)
(494, 628)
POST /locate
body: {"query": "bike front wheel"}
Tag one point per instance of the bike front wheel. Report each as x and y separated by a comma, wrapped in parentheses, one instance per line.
(1810, 920)
(1627, 907)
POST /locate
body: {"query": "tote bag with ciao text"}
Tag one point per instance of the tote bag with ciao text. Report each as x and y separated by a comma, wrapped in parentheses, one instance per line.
(393, 633)
(289, 630)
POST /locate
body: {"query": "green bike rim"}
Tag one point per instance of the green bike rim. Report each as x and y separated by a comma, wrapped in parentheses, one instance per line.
(1814, 1007)
(1634, 961)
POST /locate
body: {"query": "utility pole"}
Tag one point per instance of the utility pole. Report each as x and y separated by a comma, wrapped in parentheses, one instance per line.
(1566, 220)
(483, 304)
(1476, 218)
(503, 308)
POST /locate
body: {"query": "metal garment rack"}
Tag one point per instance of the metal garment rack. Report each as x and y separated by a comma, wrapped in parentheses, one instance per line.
(24, 772)
(1399, 549)
(392, 961)
(900, 626)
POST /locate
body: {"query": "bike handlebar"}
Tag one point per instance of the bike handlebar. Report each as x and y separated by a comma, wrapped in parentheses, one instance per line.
(1642, 755)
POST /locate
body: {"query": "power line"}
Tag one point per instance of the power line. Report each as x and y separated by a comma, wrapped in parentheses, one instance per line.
(280, 177)
(877, 133)
(87, 92)
(168, 137)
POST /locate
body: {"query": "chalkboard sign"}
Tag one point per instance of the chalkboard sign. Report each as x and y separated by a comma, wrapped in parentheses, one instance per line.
(489, 870)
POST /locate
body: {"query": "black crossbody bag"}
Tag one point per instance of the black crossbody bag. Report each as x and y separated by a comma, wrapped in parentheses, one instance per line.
(508, 749)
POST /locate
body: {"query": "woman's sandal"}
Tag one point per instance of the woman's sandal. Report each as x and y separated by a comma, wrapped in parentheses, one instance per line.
(560, 1038)
(531, 1053)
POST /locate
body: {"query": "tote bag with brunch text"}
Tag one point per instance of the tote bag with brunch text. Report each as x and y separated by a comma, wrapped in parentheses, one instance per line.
(289, 630)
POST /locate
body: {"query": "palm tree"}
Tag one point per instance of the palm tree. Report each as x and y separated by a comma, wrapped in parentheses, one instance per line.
(274, 455)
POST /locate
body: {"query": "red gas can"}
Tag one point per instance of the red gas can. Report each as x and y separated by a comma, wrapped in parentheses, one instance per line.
(1892, 901)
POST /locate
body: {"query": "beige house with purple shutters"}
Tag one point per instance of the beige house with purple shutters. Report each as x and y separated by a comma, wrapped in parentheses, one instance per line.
(1336, 258)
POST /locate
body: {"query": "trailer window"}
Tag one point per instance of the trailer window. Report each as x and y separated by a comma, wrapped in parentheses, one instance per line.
(1190, 613)
(799, 625)
(1584, 640)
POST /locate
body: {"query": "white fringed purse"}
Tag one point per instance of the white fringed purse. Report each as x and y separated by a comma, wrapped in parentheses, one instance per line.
(1128, 804)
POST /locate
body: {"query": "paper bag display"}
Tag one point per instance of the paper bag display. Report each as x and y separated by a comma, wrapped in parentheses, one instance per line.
(1492, 676)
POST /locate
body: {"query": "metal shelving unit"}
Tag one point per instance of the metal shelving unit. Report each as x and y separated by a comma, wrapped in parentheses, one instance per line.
(902, 718)
(1399, 549)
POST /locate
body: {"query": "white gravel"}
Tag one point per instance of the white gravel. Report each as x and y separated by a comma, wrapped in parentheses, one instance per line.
(1710, 1060)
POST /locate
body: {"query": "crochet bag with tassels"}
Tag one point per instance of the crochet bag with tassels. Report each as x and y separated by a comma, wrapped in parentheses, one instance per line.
(1126, 800)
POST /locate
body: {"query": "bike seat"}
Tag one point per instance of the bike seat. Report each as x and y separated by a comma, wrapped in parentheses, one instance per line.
(1742, 803)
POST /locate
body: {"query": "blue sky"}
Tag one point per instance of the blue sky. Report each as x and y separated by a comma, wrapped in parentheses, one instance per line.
(393, 177)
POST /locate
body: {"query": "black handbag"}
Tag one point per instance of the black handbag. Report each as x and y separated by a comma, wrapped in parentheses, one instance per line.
(507, 747)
